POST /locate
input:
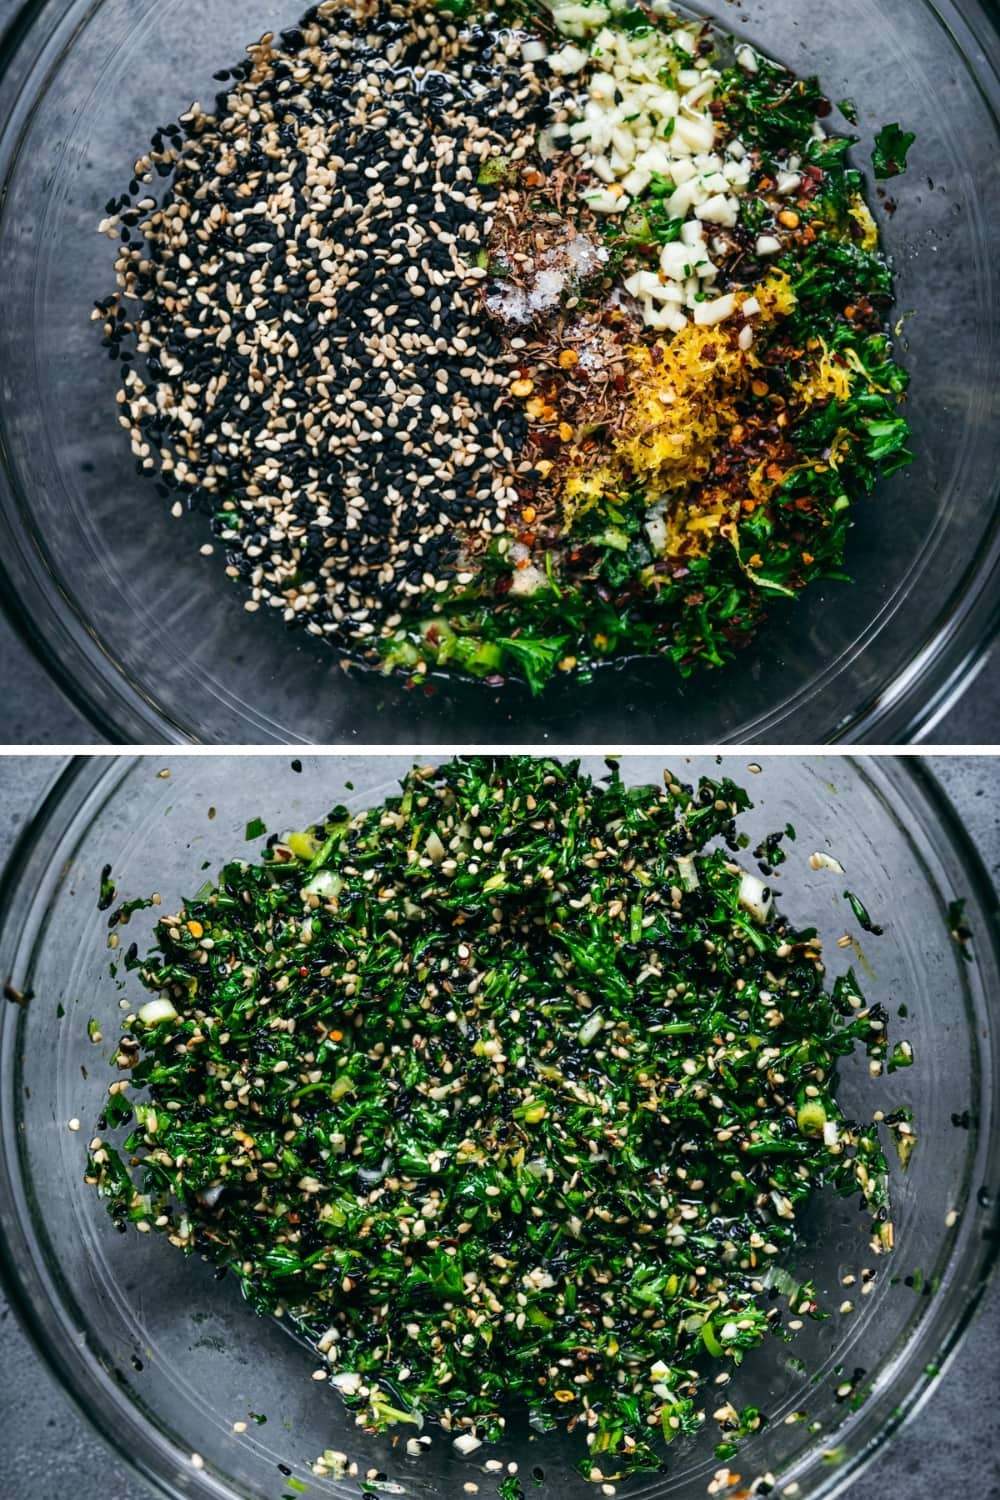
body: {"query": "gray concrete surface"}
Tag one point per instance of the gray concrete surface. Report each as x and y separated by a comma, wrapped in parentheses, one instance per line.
(975, 719)
(38, 713)
(951, 1450)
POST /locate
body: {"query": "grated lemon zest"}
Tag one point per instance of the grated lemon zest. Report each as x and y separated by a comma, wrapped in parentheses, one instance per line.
(827, 379)
(862, 216)
(679, 405)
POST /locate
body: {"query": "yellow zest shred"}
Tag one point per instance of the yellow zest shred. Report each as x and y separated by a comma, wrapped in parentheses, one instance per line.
(828, 379)
(854, 360)
(583, 488)
(678, 407)
(681, 400)
(862, 216)
(840, 442)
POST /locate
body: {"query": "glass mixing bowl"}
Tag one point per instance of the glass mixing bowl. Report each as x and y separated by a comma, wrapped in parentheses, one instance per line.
(164, 1359)
(152, 642)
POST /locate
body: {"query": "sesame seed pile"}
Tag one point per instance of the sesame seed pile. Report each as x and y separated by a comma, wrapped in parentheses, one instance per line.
(300, 317)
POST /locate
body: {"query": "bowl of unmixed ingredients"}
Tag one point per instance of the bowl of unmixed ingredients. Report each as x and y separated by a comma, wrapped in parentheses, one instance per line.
(394, 367)
(500, 1125)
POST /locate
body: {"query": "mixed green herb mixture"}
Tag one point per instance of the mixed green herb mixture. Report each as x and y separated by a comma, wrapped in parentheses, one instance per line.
(507, 342)
(509, 1091)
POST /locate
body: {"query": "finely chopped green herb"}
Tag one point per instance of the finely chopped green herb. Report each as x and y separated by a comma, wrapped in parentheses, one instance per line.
(509, 1091)
(890, 150)
(313, 321)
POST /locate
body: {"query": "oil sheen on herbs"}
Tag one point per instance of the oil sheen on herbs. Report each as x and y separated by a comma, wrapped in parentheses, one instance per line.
(510, 1091)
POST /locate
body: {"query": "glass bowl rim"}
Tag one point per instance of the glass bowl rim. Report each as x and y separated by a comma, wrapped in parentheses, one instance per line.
(908, 780)
(942, 662)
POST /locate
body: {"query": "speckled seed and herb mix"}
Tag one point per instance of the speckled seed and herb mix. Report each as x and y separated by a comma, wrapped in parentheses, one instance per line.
(509, 1091)
(506, 344)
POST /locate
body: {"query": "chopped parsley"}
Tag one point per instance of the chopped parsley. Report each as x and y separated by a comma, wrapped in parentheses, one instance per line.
(889, 151)
(861, 916)
(108, 890)
(517, 1081)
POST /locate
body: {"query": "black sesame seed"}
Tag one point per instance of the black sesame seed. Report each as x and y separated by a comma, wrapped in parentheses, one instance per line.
(224, 295)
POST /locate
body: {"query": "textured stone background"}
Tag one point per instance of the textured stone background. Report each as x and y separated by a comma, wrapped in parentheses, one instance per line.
(951, 1450)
